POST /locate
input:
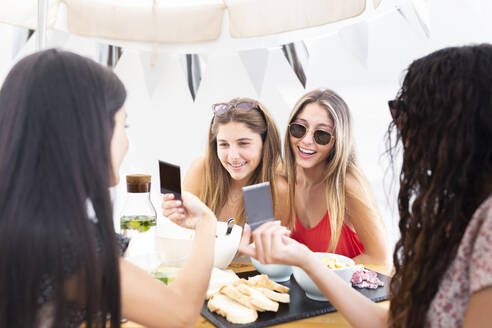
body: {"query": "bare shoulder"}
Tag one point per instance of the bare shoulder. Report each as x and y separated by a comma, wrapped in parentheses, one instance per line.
(352, 183)
(357, 187)
(360, 201)
(193, 178)
(198, 164)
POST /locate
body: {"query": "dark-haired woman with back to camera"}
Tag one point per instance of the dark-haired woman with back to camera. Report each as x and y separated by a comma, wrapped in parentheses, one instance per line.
(62, 139)
(443, 260)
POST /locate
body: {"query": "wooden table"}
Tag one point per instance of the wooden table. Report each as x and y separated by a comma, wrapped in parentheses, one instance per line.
(333, 319)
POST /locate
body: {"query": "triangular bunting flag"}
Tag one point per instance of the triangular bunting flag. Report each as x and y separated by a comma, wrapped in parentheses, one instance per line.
(21, 48)
(416, 13)
(153, 68)
(194, 67)
(297, 55)
(355, 38)
(255, 61)
(28, 48)
(20, 37)
(108, 55)
(57, 38)
(114, 55)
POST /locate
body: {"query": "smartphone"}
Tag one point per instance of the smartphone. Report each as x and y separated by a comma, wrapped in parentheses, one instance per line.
(170, 176)
(258, 204)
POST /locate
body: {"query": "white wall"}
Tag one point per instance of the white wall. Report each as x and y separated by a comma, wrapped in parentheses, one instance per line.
(170, 126)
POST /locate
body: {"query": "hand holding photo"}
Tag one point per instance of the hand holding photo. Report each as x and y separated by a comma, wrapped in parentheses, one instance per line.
(170, 177)
(258, 204)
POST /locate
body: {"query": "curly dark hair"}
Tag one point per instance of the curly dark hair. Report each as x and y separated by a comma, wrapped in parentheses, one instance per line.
(444, 121)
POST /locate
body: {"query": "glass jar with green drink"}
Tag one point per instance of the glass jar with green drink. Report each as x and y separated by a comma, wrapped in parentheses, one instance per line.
(138, 218)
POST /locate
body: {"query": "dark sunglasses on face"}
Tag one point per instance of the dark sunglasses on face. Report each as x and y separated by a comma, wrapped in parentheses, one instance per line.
(393, 110)
(298, 131)
(221, 108)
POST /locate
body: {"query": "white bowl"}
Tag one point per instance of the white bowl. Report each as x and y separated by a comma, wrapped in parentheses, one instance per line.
(276, 272)
(173, 244)
(226, 245)
(308, 285)
(148, 261)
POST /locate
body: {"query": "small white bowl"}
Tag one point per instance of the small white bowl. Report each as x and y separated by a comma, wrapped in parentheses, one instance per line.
(173, 244)
(308, 285)
(226, 245)
(276, 272)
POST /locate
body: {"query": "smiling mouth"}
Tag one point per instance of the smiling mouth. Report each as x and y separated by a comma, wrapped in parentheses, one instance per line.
(237, 166)
(305, 152)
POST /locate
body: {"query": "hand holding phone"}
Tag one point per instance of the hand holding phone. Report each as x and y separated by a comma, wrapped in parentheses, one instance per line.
(170, 177)
(258, 204)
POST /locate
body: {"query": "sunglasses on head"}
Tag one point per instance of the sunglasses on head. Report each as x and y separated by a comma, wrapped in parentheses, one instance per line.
(221, 108)
(297, 130)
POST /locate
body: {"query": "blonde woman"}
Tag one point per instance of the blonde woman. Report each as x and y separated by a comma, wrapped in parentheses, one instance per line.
(243, 148)
(332, 208)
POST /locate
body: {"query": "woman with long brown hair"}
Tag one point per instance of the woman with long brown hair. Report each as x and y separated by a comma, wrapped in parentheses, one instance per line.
(443, 260)
(243, 148)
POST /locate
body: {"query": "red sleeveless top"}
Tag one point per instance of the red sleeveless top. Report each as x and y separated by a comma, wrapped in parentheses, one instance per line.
(317, 239)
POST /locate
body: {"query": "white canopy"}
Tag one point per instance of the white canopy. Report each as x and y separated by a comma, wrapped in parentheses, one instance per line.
(181, 21)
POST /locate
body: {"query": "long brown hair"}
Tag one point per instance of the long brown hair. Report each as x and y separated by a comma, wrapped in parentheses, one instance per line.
(57, 114)
(217, 181)
(341, 161)
(444, 122)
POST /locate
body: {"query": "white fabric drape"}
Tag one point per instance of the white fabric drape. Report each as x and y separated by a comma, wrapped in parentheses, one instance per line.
(24, 13)
(255, 18)
(146, 20)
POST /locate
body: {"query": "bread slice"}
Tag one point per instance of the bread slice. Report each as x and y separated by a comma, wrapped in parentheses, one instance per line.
(257, 298)
(237, 296)
(274, 296)
(262, 280)
(240, 281)
(231, 310)
(219, 278)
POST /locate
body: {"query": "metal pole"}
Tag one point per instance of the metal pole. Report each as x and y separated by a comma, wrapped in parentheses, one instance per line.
(114, 54)
(42, 24)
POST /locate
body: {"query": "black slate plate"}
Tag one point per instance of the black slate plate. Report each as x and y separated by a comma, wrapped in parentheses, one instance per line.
(300, 306)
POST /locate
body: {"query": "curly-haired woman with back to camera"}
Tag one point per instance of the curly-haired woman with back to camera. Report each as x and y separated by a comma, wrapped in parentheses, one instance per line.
(443, 260)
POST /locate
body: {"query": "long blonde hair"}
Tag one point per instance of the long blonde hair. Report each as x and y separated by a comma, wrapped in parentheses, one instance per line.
(217, 181)
(340, 162)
